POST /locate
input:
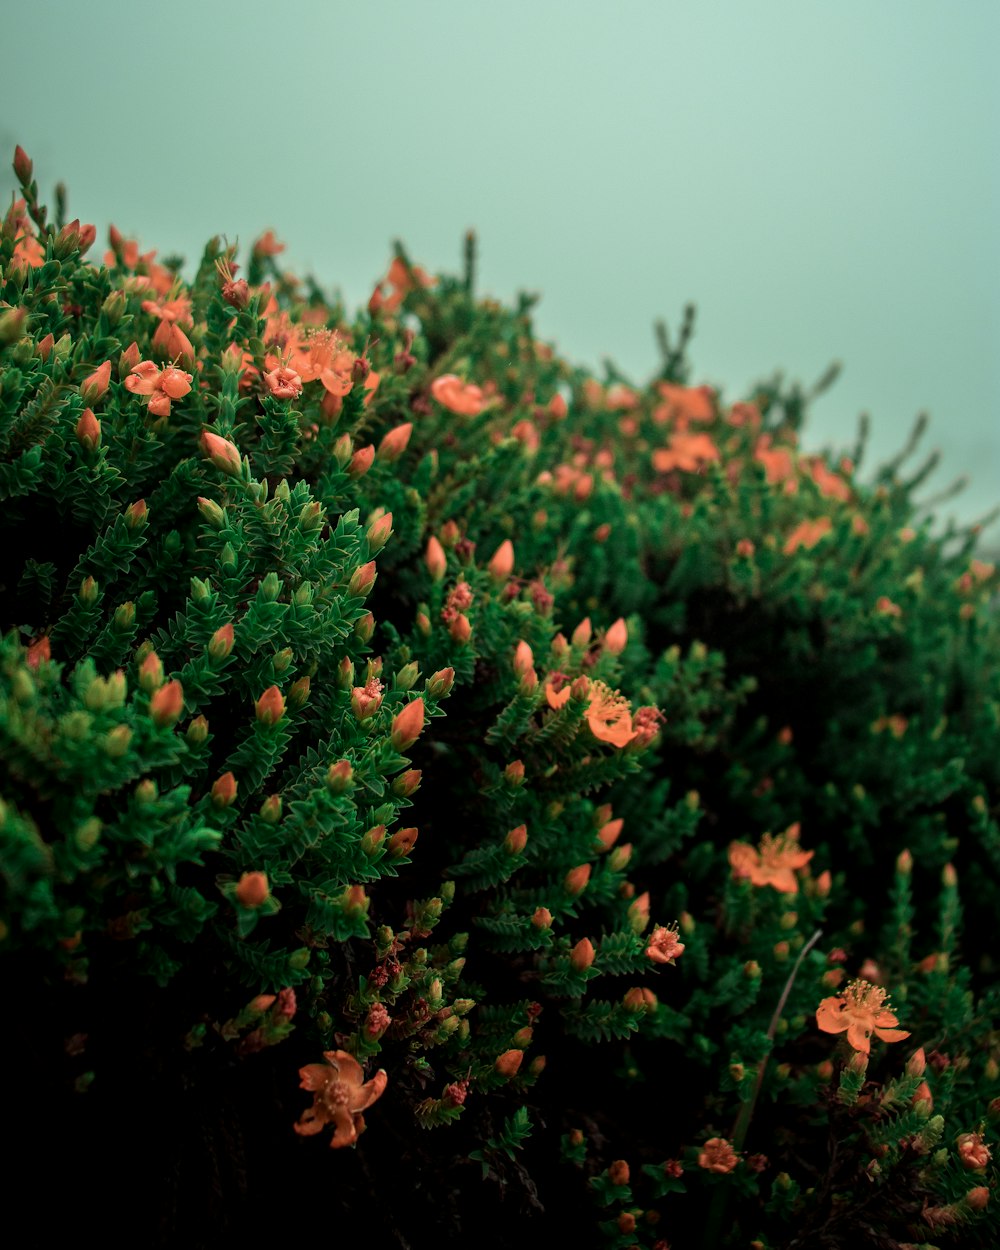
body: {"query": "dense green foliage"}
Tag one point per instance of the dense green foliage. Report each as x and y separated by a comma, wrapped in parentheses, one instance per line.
(694, 729)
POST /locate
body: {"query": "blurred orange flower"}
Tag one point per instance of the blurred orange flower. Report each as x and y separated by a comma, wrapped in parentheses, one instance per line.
(773, 862)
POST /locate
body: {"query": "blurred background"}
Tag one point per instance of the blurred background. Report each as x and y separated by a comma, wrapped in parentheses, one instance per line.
(820, 179)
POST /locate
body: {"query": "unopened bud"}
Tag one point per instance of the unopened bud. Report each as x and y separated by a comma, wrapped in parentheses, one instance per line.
(166, 705)
(224, 790)
(252, 889)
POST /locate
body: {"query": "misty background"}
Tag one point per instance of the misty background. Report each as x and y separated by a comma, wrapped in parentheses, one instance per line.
(821, 180)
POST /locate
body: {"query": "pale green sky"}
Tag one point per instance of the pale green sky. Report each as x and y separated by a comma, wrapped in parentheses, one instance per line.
(820, 178)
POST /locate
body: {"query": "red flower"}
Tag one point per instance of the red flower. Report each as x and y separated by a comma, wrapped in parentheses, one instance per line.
(457, 396)
(664, 946)
(341, 1094)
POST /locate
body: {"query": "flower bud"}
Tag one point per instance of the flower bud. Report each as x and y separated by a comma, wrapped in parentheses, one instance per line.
(224, 790)
(270, 809)
(406, 783)
(221, 643)
(501, 564)
(977, 1199)
(582, 634)
(378, 533)
(407, 725)
(340, 777)
(575, 881)
(136, 514)
(582, 955)
(395, 443)
(435, 559)
(364, 627)
(222, 453)
(516, 840)
(151, 673)
(541, 918)
(509, 1062)
(361, 461)
(616, 639)
(166, 705)
(362, 580)
(513, 774)
(440, 683)
(270, 707)
(197, 731)
(640, 999)
(402, 842)
(211, 511)
(88, 430)
(916, 1063)
(95, 385)
(252, 889)
(460, 629)
(23, 166)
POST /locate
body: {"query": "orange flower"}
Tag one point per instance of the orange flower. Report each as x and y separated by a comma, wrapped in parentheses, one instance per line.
(687, 452)
(773, 863)
(684, 403)
(457, 396)
(557, 690)
(717, 1155)
(158, 386)
(267, 245)
(609, 716)
(777, 462)
(341, 1095)
(323, 354)
(807, 534)
(178, 309)
(829, 483)
(664, 947)
(859, 1011)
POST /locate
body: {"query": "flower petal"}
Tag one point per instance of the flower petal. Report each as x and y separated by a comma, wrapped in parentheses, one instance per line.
(830, 1016)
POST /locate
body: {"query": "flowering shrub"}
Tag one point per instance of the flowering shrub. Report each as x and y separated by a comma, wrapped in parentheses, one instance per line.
(556, 775)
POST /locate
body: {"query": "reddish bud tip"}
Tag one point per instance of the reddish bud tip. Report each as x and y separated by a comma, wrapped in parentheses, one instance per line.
(582, 954)
(395, 442)
(501, 564)
(23, 166)
(435, 559)
(616, 639)
(361, 461)
(509, 1062)
(362, 580)
(221, 644)
(516, 840)
(88, 430)
(95, 385)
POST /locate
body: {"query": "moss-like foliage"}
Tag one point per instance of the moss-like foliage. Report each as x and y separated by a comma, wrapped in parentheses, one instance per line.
(531, 785)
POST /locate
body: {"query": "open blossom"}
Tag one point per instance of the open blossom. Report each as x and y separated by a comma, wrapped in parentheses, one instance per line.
(859, 1010)
(323, 356)
(158, 386)
(457, 396)
(717, 1155)
(807, 534)
(664, 945)
(687, 452)
(609, 716)
(774, 862)
(682, 404)
(341, 1094)
(174, 310)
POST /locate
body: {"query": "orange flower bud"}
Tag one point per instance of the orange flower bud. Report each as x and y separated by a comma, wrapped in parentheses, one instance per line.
(509, 1062)
(221, 644)
(460, 629)
(402, 842)
(39, 650)
(361, 461)
(135, 514)
(639, 998)
(362, 580)
(222, 453)
(166, 705)
(95, 385)
(523, 658)
(364, 627)
(378, 533)
(618, 1172)
(638, 912)
(575, 881)
(224, 790)
(514, 773)
(270, 707)
(23, 166)
(582, 954)
(501, 564)
(541, 918)
(441, 682)
(88, 430)
(435, 559)
(395, 442)
(407, 725)
(977, 1199)
(516, 840)
(916, 1063)
(252, 888)
(616, 639)
(608, 833)
(620, 856)
(339, 777)
(151, 673)
(582, 634)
